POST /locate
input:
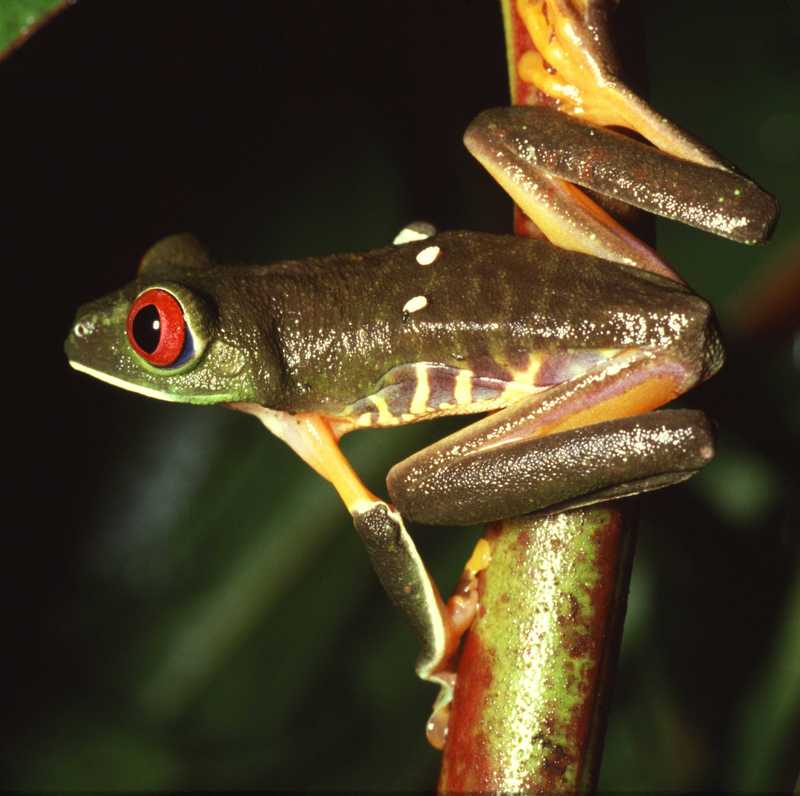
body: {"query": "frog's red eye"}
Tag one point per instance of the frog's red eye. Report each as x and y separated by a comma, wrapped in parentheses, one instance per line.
(156, 328)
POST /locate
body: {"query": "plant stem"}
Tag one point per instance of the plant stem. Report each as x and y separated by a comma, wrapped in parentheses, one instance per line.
(534, 676)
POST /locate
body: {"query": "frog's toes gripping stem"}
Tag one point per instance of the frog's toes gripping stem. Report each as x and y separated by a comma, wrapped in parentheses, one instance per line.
(461, 611)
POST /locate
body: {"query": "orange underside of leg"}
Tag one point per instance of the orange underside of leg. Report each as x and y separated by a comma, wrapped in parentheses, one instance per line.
(642, 398)
(325, 456)
(594, 209)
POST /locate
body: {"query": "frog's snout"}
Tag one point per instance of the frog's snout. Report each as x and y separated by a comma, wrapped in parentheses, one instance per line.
(90, 338)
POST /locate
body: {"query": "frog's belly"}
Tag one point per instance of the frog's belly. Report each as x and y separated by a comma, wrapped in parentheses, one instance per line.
(425, 390)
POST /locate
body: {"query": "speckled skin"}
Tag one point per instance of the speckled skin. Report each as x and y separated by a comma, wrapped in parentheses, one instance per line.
(714, 199)
(604, 461)
(339, 325)
(322, 332)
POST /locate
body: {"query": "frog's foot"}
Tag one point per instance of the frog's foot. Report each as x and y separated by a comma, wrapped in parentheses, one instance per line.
(563, 56)
(462, 607)
(461, 610)
(439, 720)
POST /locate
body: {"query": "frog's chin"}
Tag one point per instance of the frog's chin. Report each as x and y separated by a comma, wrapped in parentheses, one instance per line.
(150, 392)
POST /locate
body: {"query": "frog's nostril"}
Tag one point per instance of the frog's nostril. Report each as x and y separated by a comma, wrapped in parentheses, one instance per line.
(84, 328)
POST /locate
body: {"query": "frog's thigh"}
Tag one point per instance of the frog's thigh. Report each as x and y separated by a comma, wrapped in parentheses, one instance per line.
(576, 444)
(565, 470)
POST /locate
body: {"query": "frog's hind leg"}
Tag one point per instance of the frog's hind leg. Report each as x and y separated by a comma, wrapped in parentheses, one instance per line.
(578, 443)
(539, 155)
(709, 197)
(560, 471)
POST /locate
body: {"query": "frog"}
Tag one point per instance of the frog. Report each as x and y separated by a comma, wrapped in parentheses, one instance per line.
(568, 341)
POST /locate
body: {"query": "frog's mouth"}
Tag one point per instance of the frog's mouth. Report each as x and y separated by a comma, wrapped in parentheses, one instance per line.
(131, 386)
(152, 392)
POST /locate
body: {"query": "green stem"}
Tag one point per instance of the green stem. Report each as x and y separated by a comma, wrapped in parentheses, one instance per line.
(534, 678)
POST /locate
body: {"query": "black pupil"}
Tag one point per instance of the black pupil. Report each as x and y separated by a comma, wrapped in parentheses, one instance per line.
(147, 328)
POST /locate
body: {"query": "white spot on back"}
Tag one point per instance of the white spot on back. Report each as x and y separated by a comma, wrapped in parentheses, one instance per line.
(428, 255)
(415, 304)
(416, 230)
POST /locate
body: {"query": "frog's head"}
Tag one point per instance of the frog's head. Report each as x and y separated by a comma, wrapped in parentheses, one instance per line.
(166, 335)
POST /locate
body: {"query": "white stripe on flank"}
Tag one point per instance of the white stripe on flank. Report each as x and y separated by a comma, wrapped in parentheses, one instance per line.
(422, 392)
(462, 394)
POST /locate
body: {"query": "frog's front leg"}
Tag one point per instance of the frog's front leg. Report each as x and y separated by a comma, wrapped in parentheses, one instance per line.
(391, 549)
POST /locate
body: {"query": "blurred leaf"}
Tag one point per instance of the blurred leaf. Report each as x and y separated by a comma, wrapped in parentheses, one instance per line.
(99, 754)
(766, 736)
(20, 18)
(742, 485)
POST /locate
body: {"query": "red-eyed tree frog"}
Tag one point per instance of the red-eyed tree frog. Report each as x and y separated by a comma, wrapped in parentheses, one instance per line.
(569, 343)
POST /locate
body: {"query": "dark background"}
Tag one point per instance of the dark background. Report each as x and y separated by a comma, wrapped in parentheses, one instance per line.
(185, 604)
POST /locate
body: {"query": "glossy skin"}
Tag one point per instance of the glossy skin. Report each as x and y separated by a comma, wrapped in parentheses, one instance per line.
(326, 339)
(321, 335)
